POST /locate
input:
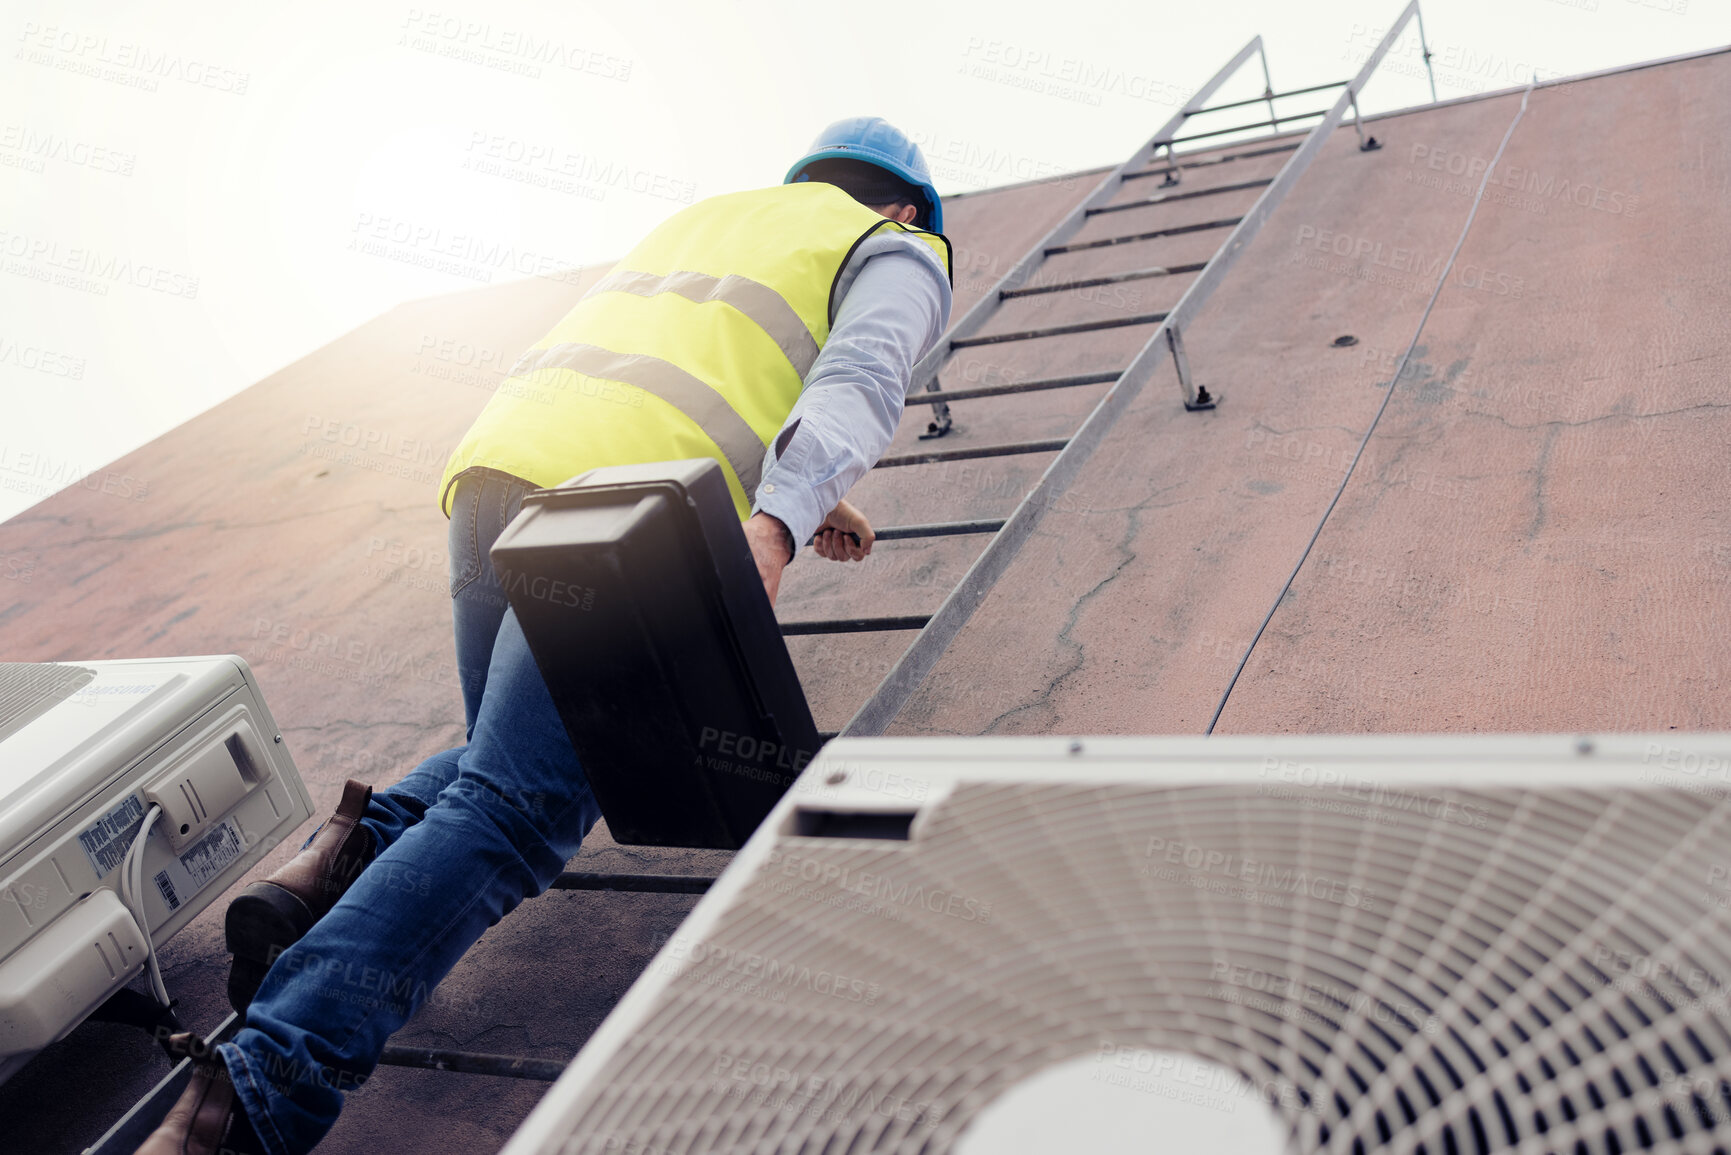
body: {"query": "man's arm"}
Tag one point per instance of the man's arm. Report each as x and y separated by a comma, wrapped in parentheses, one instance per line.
(895, 308)
(771, 548)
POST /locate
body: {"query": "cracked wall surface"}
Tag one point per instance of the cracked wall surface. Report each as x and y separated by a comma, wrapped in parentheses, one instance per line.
(1536, 537)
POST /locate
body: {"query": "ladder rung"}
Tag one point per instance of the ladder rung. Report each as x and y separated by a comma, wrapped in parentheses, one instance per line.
(641, 883)
(1275, 96)
(940, 529)
(472, 1063)
(856, 625)
(1115, 278)
(1187, 194)
(1245, 127)
(1059, 330)
(934, 529)
(1162, 170)
(1176, 230)
(1033, 386)
(933, 456)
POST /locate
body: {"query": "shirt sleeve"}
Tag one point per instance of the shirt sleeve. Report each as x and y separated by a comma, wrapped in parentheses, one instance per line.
(895, 308)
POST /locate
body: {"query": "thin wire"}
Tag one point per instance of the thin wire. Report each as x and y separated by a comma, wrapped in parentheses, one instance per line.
(1399, 372)
(132, 878)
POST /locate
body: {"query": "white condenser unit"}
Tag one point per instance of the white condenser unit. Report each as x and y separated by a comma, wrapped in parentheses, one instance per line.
(88, 752)
(1437, 944)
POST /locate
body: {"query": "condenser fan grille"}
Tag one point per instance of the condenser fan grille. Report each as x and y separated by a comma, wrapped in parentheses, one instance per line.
(1413, 969)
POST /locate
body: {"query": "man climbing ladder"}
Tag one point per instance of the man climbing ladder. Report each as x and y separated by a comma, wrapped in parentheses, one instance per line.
(773, 330)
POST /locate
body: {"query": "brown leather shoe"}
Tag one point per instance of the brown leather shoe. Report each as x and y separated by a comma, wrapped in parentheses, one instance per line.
(207, 1119)
(268, 917)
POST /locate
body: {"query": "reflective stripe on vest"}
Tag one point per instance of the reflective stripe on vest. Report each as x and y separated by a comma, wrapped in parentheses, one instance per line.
(759, 302)
(737, 440)
(696, 344)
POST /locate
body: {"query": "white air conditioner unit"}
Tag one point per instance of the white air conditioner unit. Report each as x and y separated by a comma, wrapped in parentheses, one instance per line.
(1426, 944)
(86, 750)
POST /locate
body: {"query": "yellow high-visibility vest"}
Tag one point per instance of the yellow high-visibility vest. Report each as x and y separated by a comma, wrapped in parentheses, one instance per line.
(696, 344)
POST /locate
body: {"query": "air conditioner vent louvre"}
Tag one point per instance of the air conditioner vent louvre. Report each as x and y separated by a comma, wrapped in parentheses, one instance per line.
(30, 689)
(1473, 970)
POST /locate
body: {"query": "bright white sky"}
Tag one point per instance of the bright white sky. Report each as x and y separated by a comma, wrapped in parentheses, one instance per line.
(181, 186)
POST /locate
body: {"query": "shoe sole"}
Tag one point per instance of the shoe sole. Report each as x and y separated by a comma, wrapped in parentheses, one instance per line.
(263, 921)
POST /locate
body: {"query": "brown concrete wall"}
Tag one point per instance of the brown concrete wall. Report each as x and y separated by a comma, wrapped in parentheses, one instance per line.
(1536, 538)
(1541, 539)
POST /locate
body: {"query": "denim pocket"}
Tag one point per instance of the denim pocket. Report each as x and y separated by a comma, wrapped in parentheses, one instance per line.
(465, 545)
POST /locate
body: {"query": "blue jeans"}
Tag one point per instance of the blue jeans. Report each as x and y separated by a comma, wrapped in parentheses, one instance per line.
(461, 840)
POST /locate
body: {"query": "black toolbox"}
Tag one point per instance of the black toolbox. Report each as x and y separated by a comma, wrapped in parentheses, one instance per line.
(641, 602)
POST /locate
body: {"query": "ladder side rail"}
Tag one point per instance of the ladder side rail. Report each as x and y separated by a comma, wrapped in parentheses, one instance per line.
(1199, 290)
(918, 660)
(926, 369)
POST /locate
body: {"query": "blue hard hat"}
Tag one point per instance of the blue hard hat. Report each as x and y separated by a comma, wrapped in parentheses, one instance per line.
(875, 141)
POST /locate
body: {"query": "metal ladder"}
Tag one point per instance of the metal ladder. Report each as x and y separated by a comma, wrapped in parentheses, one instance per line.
(938, 629)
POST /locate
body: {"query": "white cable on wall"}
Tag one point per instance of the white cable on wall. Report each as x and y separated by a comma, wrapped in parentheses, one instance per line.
(1399, 371)
(132, 885)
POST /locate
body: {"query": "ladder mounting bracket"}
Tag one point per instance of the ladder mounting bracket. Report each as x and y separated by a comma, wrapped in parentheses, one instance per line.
(1196, 397)
(940, 423)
